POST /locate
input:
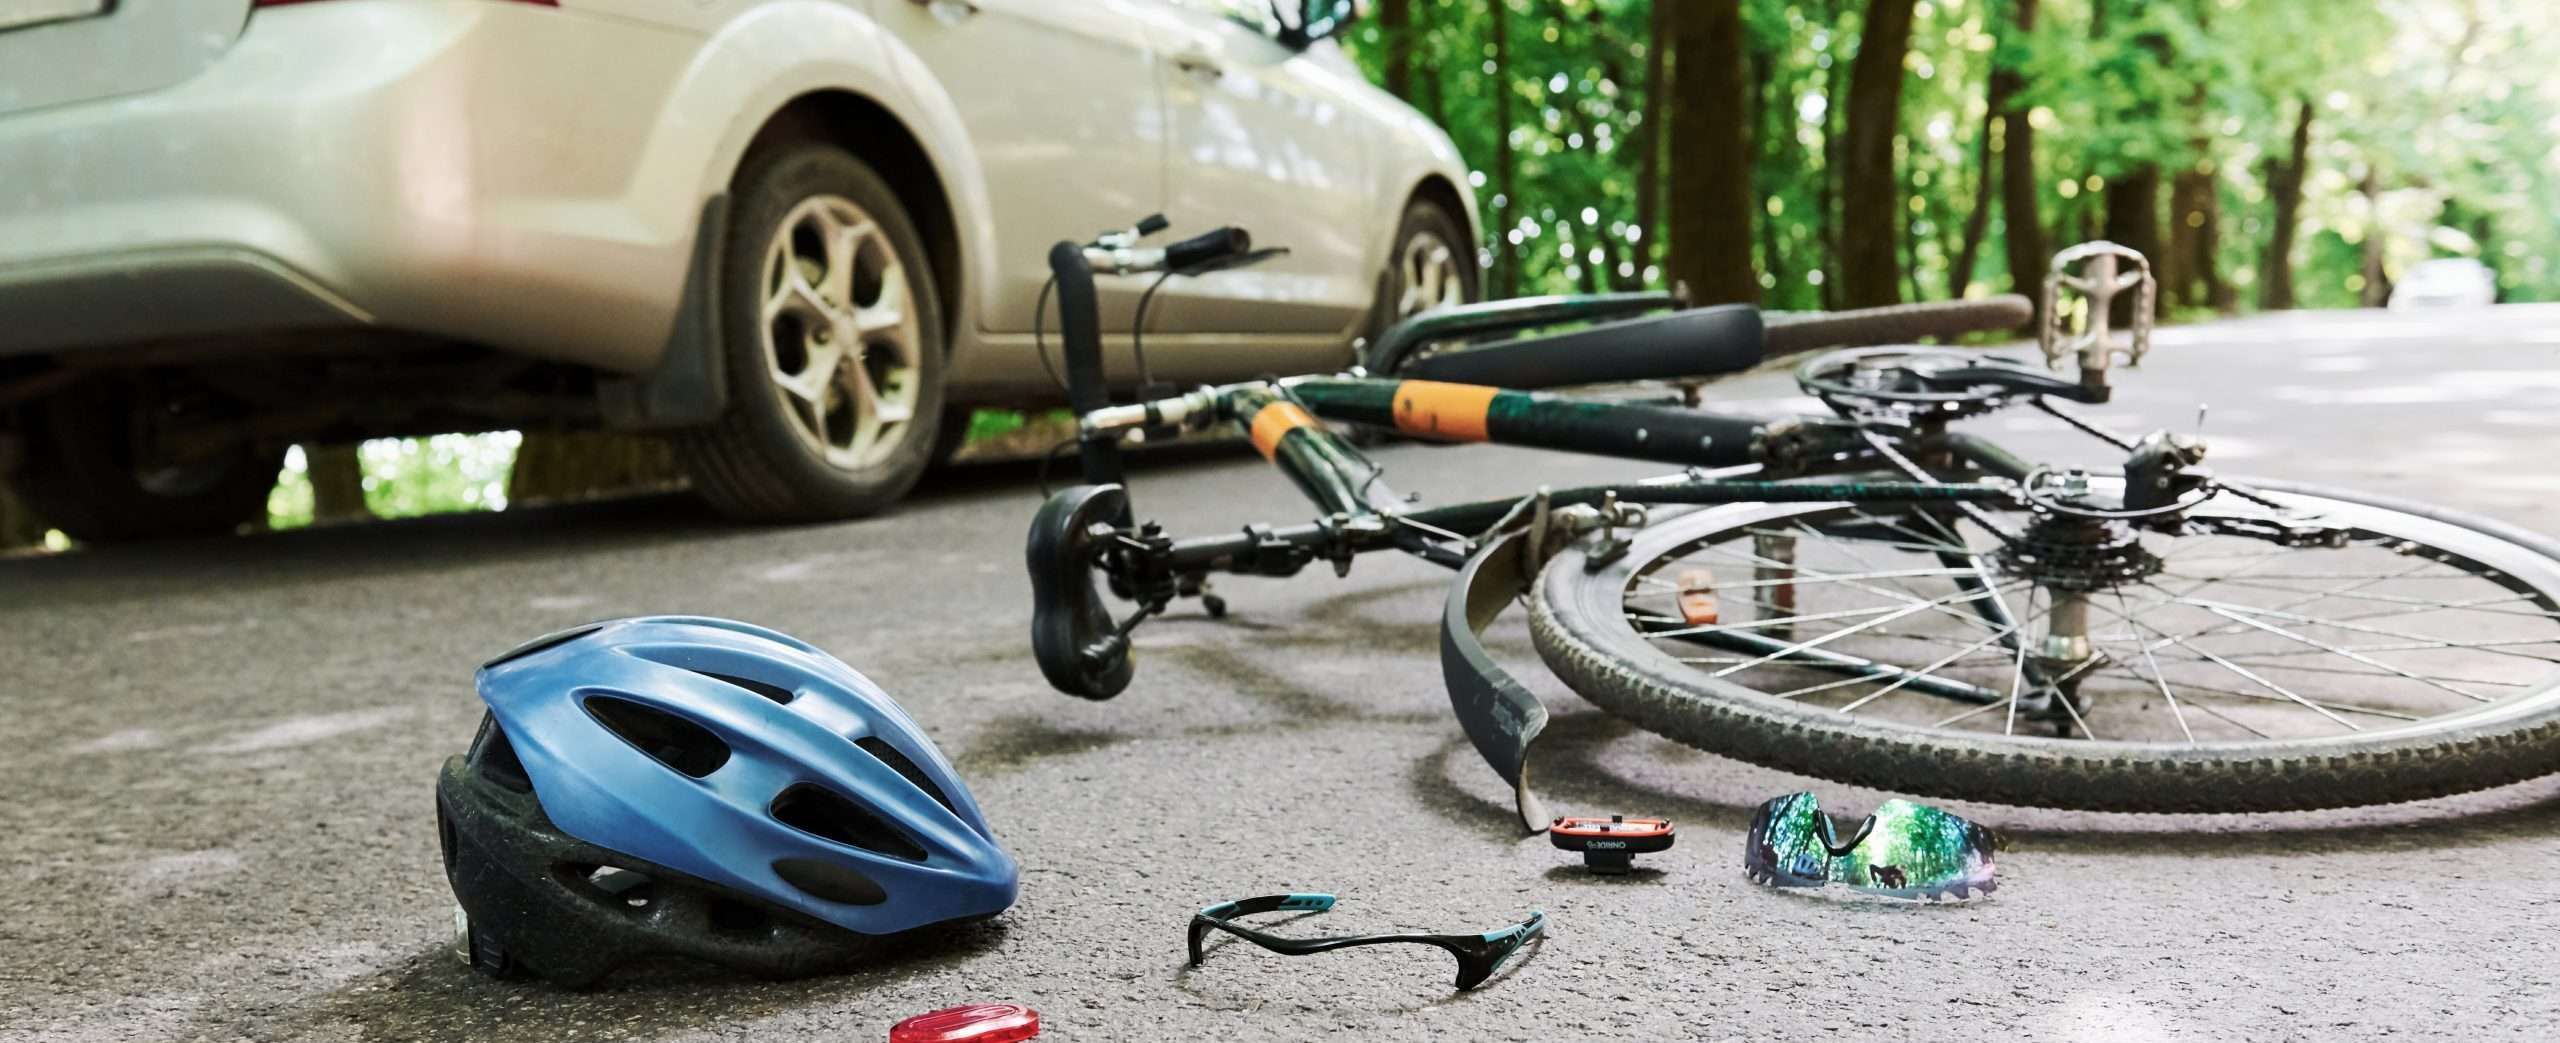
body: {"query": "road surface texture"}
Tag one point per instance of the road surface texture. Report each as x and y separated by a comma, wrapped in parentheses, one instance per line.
(216, 800)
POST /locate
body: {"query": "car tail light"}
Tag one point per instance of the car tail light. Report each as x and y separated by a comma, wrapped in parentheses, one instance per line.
(975, 1023)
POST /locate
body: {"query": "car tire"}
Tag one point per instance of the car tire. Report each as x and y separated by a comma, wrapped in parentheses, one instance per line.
(84, 474)
(834, 345)
(1431, 265)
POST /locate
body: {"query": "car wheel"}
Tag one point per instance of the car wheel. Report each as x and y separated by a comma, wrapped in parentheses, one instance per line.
(1432, 266)
(88, 472)
(834, 345)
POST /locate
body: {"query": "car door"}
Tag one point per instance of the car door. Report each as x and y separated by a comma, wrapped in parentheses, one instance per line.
(1263, 136)
(1064, 112)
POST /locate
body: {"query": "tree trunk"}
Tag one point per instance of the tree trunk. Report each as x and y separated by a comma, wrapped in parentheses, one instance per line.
(2132, 219)
(1711, 175)
(2217, 292)
(2177, 268)
(2377, 287)
(2189, 277)
(2133, 211)
(1960, 275)
(1773, 141)
(2284, 185)
(1395, 22)
(1436, 99)
(337, 483)
(553, 467)
(1506, 266)
(1657, 53)
(1871, 197)
(2020, 204)
(1835, 92)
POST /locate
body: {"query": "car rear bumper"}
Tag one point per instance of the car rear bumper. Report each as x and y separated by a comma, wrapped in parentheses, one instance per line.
(489, 172)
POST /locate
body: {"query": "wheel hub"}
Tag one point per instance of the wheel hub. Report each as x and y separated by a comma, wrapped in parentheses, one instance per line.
(840, 334)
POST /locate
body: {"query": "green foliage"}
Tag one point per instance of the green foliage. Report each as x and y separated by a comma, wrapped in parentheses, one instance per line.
(409, 476)
(2447, 103)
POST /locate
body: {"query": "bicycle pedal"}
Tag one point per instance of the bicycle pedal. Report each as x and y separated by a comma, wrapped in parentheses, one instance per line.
(1610, 845)
(1698, 606)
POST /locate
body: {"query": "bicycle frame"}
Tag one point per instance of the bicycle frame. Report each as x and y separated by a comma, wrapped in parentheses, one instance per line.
(2019, 554)
(1727, 457)
(1730, 459)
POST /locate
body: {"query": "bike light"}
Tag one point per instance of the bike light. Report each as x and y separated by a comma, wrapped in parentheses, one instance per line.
(972, 1023)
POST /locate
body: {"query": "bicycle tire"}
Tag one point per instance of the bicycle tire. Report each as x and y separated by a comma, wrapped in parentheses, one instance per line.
(1790, 333)
(1577, 623)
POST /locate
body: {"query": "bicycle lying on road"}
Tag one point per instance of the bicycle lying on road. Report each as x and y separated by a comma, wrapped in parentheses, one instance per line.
(1872, 596)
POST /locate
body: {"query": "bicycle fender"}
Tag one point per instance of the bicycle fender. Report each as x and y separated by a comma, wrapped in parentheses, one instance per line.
(1500, 715)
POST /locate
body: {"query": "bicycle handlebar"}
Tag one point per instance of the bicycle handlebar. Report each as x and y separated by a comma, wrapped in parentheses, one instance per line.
(1079, 319)
(1123, 258)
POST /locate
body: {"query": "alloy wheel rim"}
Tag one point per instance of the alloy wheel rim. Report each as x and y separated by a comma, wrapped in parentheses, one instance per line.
(1430, 279)
(838, 324)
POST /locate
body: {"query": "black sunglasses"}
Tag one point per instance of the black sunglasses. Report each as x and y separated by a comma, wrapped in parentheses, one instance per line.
(1479, 955)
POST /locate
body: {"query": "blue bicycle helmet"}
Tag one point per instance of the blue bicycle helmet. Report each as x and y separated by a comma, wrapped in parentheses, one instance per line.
(701, 788)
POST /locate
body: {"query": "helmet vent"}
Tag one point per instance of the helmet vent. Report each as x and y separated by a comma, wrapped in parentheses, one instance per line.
(820, 813)
(832, 881)
(898, 762)
(495, 757)
(775, 692)
(673, 741)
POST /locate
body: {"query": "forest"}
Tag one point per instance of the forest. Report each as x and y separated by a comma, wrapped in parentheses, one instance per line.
(1838, 153)
(1804, 154)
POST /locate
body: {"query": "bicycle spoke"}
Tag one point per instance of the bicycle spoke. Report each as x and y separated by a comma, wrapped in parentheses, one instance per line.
(2330, 704)
(2262, 696)
(2156, 677)
(1722, 628)
(1669, 587)
(1880, 693)
(2367, 660)
(2402, 599)
(2253, 678)
(1919, 547)
(1824, 639)
(2341, 624)
(2264, 659)
(2232, 628)
(2018, 678)
(1754, 559)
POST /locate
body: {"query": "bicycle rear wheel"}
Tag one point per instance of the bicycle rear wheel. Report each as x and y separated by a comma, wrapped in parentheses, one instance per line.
(1789, 333)
(2204, 671)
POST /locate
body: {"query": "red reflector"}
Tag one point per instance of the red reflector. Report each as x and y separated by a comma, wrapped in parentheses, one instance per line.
(974, 1023)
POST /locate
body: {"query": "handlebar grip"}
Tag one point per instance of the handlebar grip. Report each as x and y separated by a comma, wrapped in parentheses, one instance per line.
(1202, 249)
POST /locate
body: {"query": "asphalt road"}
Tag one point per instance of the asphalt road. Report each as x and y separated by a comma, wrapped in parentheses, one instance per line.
(215, 804)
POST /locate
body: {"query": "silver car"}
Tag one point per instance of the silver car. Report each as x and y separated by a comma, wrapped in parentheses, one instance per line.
(791, 234)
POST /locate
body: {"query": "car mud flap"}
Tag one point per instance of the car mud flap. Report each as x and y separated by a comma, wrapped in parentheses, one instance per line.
(1501, 716)
(690, 385)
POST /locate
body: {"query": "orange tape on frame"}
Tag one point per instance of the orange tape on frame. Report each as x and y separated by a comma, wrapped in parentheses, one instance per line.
(1452, 411)
(1275, 420)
